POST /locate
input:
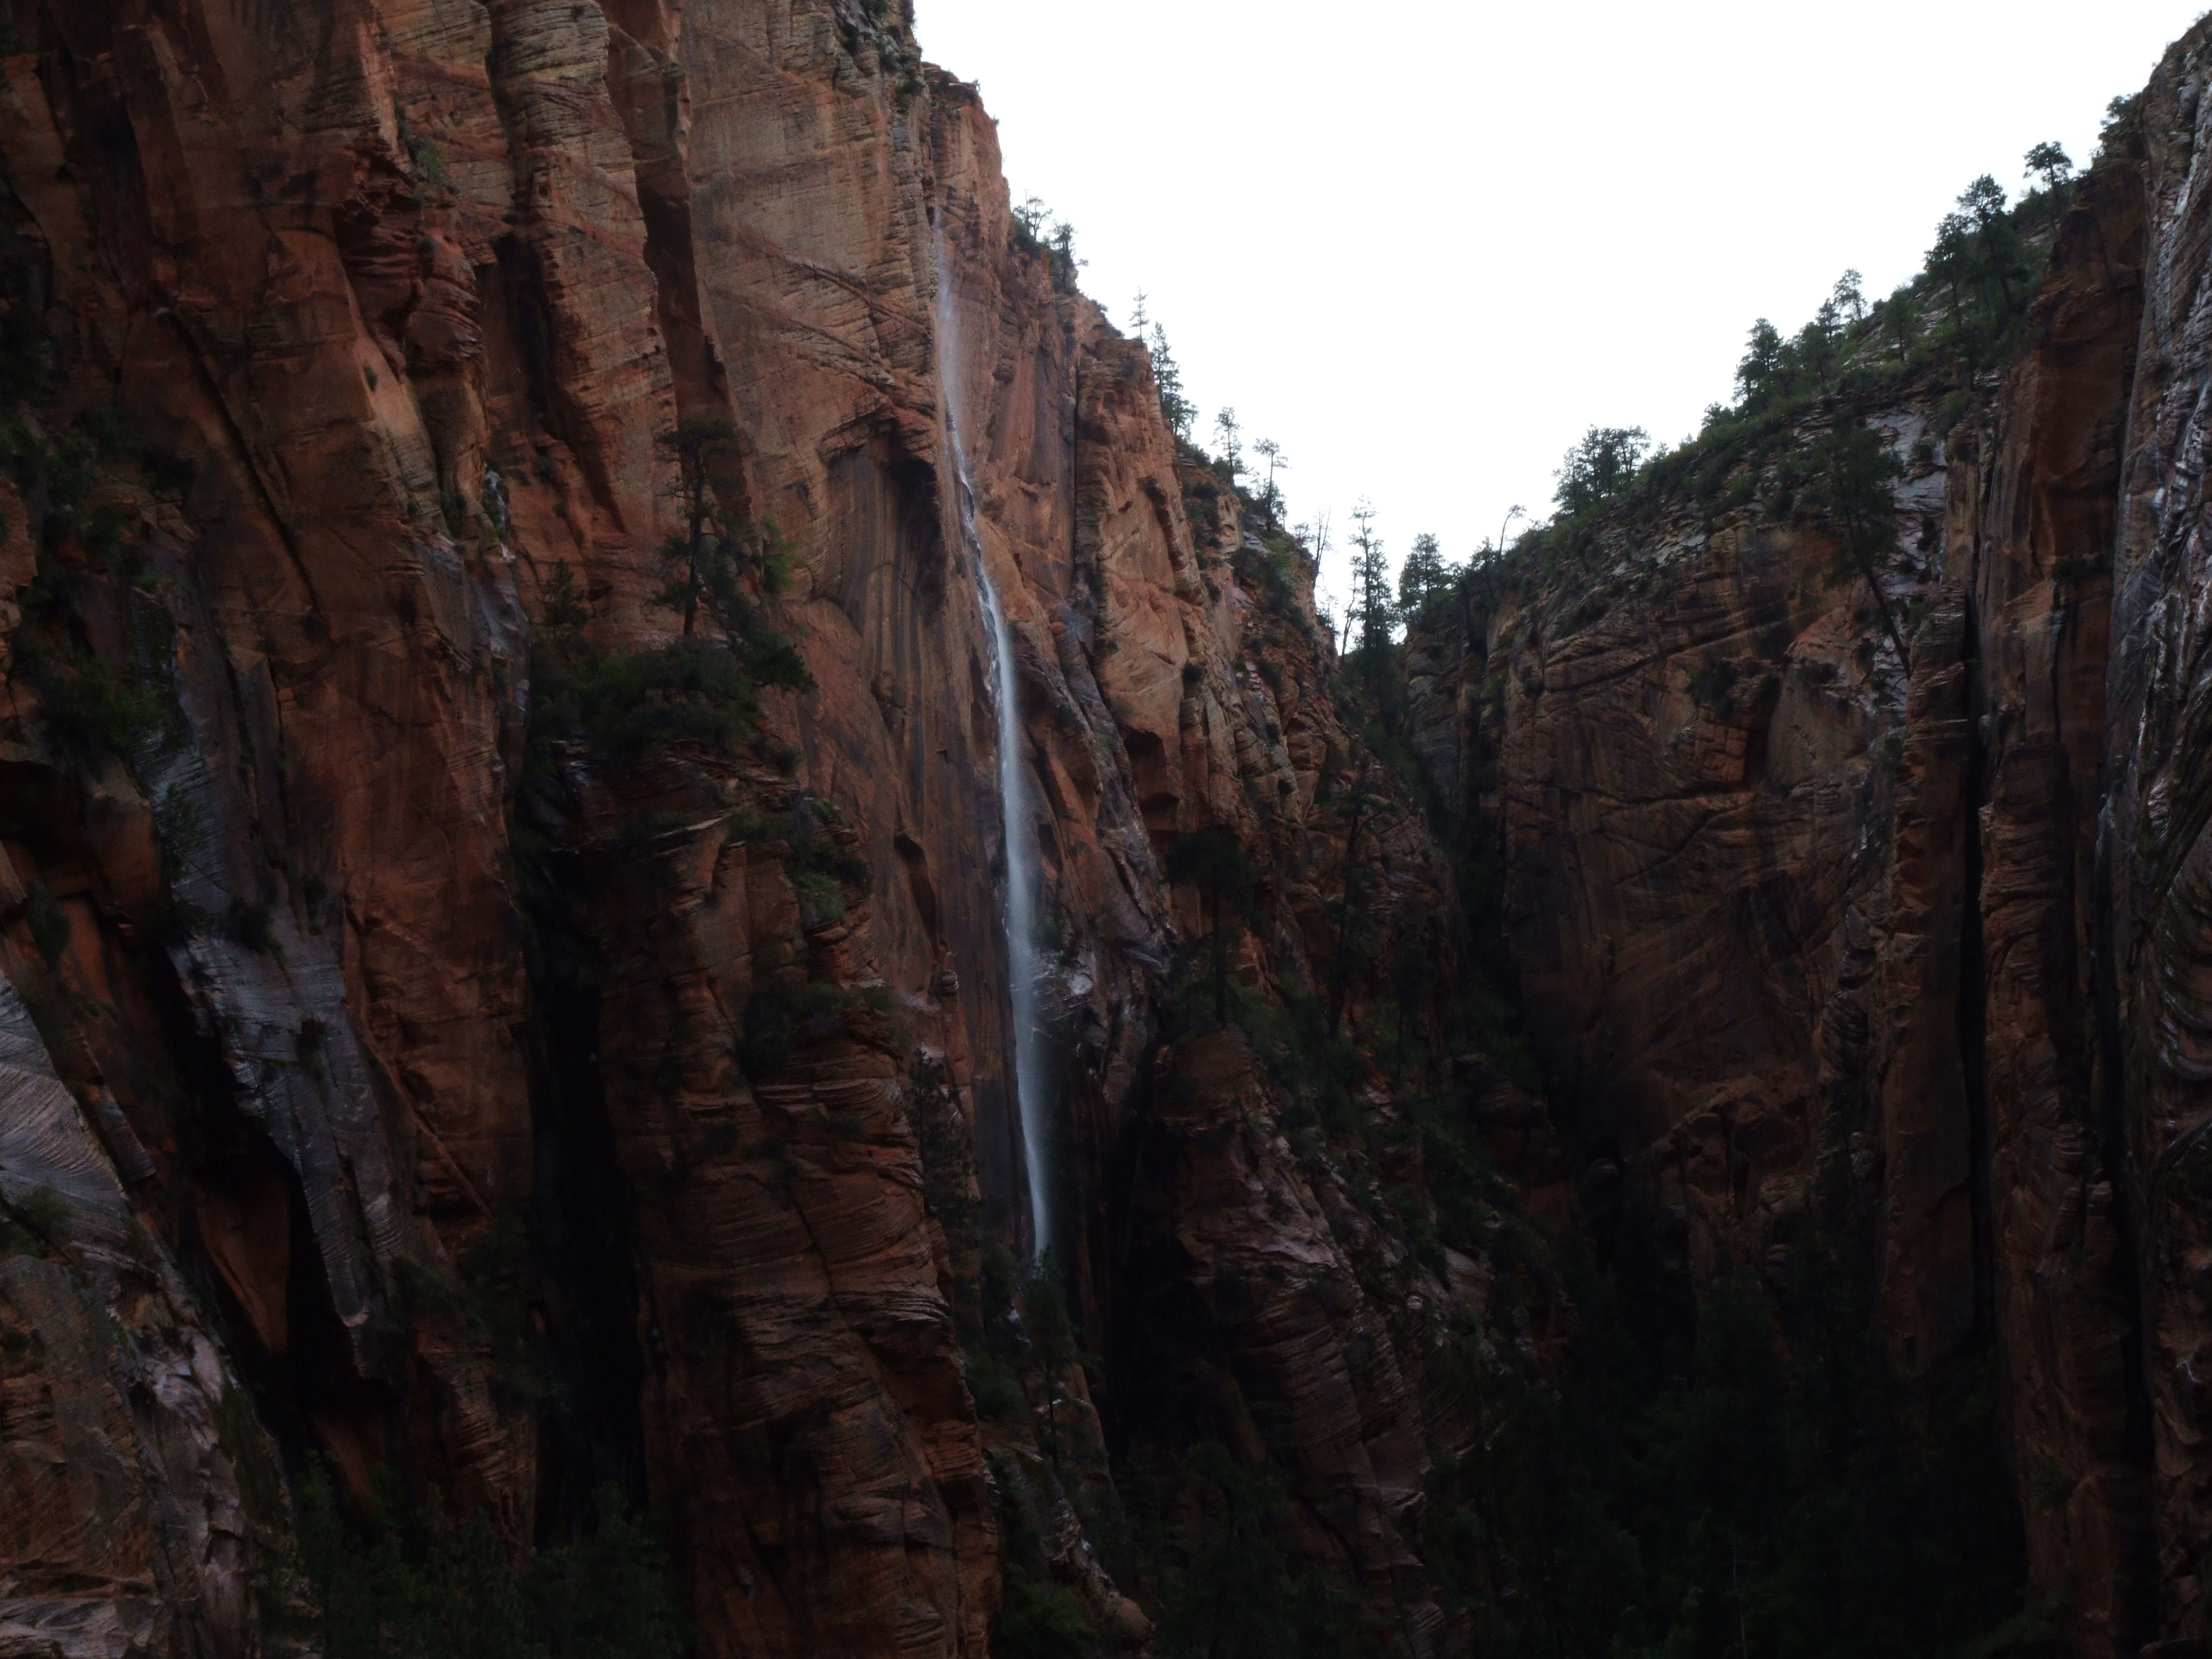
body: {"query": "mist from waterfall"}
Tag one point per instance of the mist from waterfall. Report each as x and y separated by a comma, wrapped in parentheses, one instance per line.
(1018, 901)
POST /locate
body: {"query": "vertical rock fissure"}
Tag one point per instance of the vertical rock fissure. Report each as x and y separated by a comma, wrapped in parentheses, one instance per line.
(2137, 1612)
(1973, 1009)
(583, 1233)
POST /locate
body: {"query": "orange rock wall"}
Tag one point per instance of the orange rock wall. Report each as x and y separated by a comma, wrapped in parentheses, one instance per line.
(405, 289)
(399, 294)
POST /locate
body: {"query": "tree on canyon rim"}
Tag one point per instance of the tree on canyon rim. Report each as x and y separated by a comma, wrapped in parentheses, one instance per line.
(1604, 463)
(1996, 247)
(1853, 470)
(1175, 409)
(1373, 606)
(1757, 375)
(1425, 576)
(1272, 452)
(1230, 432)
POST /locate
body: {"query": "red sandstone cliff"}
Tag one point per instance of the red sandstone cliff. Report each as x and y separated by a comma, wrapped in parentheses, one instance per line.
(359, 980)
(339, 991)
(1925, 936)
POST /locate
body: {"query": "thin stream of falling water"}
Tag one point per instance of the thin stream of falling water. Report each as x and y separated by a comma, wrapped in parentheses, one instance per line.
(1019, 907)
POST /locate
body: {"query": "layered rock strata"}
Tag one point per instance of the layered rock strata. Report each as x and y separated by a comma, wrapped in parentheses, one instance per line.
(377, 1000)
(1796, 917)
(342, 993)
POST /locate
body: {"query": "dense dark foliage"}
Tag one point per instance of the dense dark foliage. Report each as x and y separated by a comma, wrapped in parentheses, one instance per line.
(1740, 1479)
(408, 1582)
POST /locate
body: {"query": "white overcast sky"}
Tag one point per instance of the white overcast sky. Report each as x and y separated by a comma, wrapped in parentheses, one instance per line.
(1425, 245)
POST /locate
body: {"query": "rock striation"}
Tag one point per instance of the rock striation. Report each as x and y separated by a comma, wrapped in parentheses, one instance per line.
(392, 1072)
(1796, 917)
(374, 1000)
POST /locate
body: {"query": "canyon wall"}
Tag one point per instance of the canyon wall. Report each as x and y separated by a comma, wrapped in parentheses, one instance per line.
(405, 1063)
(420, 1082)
(1803, 925)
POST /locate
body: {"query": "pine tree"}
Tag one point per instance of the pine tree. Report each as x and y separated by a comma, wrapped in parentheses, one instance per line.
(2049, 162)
(1600, 466)
(1853, 470)
(1757, 375)
(1177, 411)
(1370, 584)
(1425, 576)
(1229, 435)
(1996, 250)
(706, 557)
(1849, 297)
(1952, 259)
(1900, 320)
(1818, 344)
(1212, 861)
(1272, 452)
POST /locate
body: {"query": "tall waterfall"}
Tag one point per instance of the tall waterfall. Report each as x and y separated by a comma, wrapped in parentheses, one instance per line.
(1019, 903)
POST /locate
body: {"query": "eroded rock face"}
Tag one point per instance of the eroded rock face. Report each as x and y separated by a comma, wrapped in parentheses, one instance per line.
(347, 981)
(364, 983)
(2154, 848)
(137, 1482)
(1797, 919)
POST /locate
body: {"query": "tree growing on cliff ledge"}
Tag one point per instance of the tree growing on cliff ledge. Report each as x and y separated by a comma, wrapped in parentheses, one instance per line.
(1272, 452)
(1229, 432)
(703, 557)
(2049, 162)
(1212, 861)
(1758, 376)
(1600, 467)
(1177, 411)
(1237, 1598)
(1425, 576)
(1852, 473)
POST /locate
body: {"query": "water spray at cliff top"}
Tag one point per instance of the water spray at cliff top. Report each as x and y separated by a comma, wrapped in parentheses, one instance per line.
(1019, 905)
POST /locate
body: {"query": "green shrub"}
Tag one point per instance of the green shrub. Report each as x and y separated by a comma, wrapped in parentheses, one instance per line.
(49, 923)
(821, 900)
(90, 711)
(948, 1155)
(1237, 1598)
(410, 1583)
(997, 1389)
(627, 705)
(38, 1220)
(1039, 1619)
(1741, 1476)
(689, 692)
(822, 856)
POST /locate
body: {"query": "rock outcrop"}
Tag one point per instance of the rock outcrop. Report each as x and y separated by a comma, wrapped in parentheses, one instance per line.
(1796, 917)
(390, 1001)
(411, 1054)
